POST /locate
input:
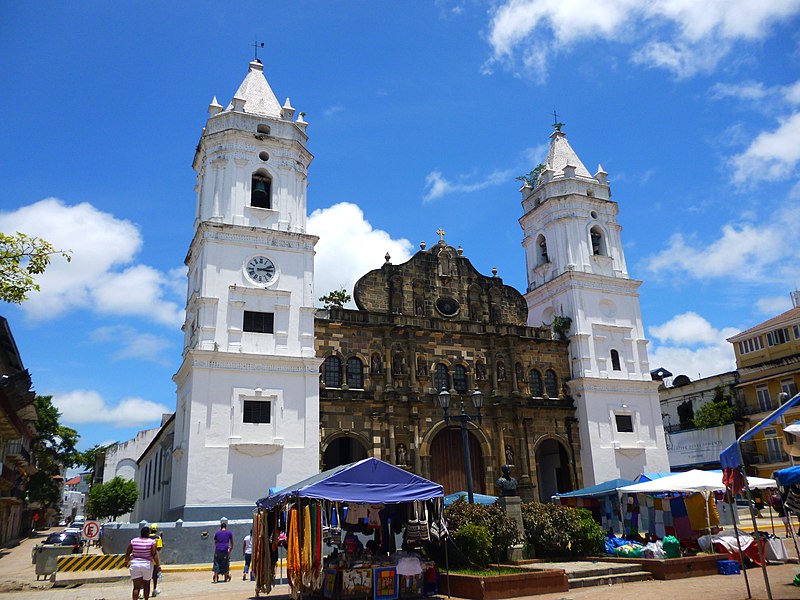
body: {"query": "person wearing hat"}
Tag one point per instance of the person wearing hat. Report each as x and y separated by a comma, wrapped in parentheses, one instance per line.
(155, 534)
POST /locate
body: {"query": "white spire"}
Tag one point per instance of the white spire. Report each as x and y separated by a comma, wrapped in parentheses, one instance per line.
(561, 155)
(257, 95)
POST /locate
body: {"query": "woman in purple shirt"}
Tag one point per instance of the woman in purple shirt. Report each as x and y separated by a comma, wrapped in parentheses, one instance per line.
(223, 544)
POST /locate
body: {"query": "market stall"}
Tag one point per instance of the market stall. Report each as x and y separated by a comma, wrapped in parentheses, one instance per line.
(681, 504)
(602, 500)
(326, 519)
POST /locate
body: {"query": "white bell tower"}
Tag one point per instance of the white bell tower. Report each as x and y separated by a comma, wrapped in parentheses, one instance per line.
(247, 414)
(576, 269)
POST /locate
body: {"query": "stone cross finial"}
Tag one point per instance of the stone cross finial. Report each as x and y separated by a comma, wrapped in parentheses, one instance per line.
(440, 232)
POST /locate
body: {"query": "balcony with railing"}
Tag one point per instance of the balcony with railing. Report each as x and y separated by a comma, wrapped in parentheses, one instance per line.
(17, 453)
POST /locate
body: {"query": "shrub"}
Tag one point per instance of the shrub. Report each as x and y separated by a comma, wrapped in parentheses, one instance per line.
(475, 542)
(502, 528)
(552, 530)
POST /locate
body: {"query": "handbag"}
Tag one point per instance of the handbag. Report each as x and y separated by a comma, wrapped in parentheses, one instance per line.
(335, 527)
(424, 531)
(412, 527)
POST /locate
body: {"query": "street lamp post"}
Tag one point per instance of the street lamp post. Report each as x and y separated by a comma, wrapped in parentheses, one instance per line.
(463, 417)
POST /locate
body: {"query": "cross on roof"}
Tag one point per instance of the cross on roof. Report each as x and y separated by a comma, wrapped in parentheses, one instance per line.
(440, 232)
(256, 46)
(556, 124)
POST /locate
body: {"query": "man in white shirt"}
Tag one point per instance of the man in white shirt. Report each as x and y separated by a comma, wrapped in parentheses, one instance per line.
(247, 548)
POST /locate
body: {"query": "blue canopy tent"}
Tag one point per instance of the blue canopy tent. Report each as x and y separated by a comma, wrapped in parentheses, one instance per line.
(368, 481)
(601, 489)
(788, 476)
(642, 477)
(479, 498)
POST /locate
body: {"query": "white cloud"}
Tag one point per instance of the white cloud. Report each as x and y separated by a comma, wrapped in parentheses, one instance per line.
(689, 345)
(332, 110)
(88, 406)
(101, 245)
(774, 305)
(743, 251)
(773, 155)
(437, 186)
(683, 36)
(133, 344)
(349, 247)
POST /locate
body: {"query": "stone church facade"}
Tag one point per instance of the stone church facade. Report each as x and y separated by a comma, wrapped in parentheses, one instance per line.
(433, 322)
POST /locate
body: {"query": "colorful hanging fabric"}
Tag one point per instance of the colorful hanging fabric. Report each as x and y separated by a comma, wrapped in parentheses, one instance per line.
(293, 567)
(305, 553)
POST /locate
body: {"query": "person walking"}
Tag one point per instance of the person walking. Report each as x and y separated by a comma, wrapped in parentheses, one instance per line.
(141, 556)
(223, 544)
(155, 534)
(247, 550)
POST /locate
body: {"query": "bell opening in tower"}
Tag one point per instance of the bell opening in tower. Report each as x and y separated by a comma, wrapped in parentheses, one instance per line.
(261, 191)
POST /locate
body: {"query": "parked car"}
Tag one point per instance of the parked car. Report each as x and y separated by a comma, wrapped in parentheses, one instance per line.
(64, 539)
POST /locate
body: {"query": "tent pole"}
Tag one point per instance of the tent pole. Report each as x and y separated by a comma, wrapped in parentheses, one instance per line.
(734, 515)
(447, 563)
(771, 520)
(755, 532)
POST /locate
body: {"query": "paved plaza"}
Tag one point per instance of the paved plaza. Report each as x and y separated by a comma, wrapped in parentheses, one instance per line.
(182, 582)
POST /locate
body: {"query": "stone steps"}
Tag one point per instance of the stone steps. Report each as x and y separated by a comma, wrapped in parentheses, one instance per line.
(608, 576)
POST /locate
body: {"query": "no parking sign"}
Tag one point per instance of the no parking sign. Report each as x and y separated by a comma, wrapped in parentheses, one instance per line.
(91, 530)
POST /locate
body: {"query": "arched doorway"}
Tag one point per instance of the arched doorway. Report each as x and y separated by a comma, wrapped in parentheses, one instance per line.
(342, 451)
(552, 468)
(447, 462)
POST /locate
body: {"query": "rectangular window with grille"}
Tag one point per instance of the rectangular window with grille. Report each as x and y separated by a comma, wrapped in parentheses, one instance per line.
(258, 322)
(624, 423)
(256, 411)
(788, 386)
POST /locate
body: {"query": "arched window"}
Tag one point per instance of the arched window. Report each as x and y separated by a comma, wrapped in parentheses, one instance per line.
(261, 190)
(441, 378)
(355, 373)
(332, 372)
(541, 251)
(536, 384)
(551, 383)
(598, 246)
(460, 379)
(615, 361)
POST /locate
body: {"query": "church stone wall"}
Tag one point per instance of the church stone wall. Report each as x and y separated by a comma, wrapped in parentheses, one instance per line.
(395, 415)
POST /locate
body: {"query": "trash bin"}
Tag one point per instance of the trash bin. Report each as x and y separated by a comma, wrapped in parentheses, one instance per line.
(47, 558)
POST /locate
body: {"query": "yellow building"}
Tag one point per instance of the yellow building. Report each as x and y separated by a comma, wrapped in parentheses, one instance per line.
(768, 363)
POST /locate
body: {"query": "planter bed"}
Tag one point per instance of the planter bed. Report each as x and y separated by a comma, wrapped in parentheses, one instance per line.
(494, 587)
(673, 568)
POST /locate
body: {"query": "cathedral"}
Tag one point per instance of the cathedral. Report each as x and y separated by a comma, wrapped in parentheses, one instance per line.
(272, 389)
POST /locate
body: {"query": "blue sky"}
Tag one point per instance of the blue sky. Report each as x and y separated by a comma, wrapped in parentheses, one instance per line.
(420, 116)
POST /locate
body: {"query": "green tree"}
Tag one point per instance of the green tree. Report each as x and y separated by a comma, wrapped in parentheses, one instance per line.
(88, 458)
(21, 258)
(713, 414)
(335, 298)
(54, 449)
(532, 177)
(112, 499)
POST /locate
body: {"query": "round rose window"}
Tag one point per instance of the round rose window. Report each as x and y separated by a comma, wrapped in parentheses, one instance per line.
(447, 306)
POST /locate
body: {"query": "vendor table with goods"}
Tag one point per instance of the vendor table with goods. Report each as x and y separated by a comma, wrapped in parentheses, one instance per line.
(339, 530)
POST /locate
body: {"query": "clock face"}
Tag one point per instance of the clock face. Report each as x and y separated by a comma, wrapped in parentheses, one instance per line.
(260, 269)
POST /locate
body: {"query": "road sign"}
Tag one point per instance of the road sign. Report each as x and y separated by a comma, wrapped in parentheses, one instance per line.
(91, 530)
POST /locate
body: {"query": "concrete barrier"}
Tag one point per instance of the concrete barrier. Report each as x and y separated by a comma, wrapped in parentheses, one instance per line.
(90, 562)
(190, 542)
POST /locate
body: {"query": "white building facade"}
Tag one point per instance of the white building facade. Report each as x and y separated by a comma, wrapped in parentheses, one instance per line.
(576, 270)
(247, 412)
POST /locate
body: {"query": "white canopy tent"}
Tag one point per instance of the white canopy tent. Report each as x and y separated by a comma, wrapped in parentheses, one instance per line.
(695, 480)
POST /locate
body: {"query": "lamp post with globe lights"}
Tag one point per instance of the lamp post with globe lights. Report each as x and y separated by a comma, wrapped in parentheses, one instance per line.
(463, 417)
